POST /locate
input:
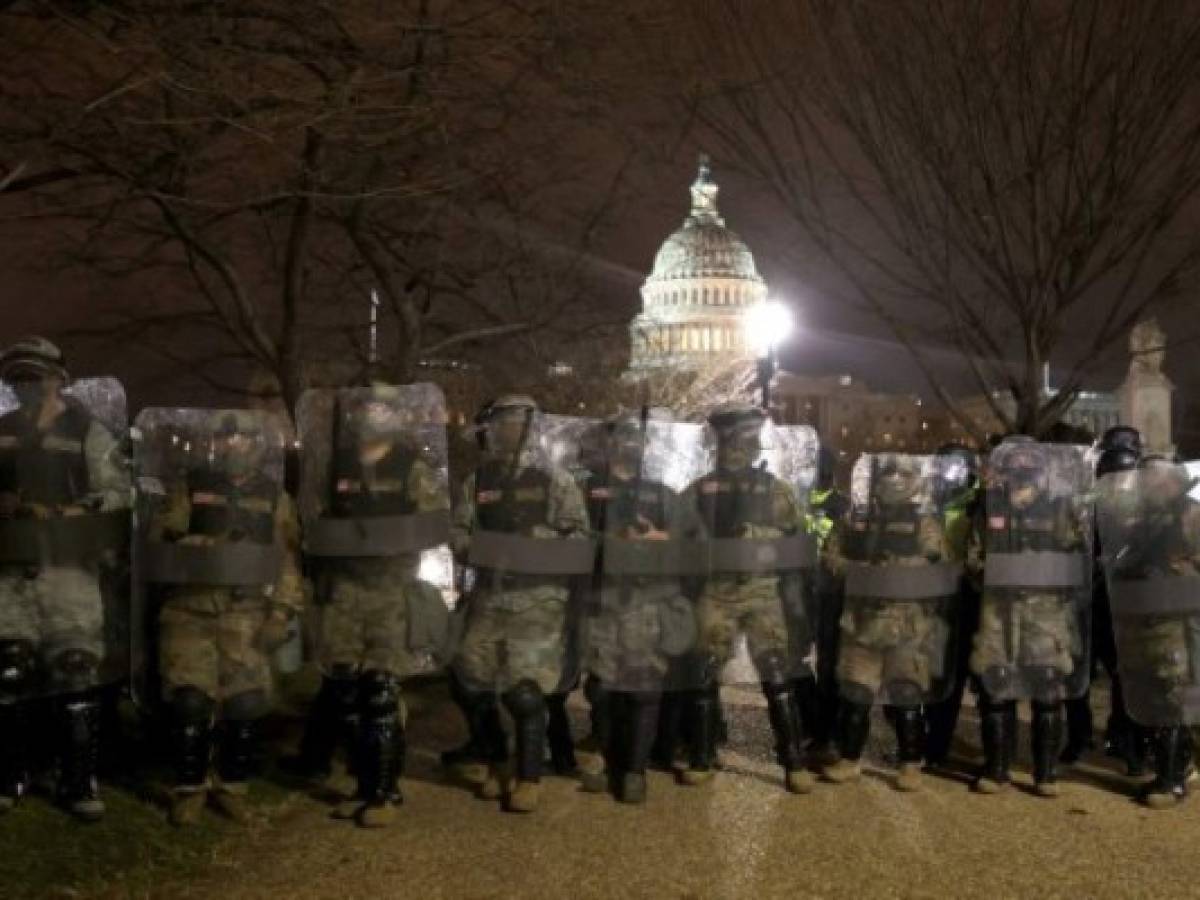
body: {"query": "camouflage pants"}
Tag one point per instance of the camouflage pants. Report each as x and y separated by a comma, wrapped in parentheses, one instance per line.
(1160, 665)
(891, 644)
(209, 640)
(732, 605)
(58, 609)
(513, 636)
(624, 639)
(365, 624)
(1030, 630)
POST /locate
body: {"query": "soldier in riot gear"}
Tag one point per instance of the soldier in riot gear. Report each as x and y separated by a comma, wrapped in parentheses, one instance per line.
(215, 638)
(899, 614)
(1150, 538)
(516, 627)
(58, 464)
(745, 503)
(1031, 637)
(387, 499)
(638, 617)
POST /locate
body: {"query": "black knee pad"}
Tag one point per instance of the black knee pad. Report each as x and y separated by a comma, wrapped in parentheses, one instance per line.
(191, 706)
(379, 693)
(772, 668)
(18, 666)
(246, 706)
(905, 693)
(75, 669)
(525, 699)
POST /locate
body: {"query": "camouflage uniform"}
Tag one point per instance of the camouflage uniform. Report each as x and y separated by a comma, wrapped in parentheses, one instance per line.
(887, 641)
(515, 633)
(215, 641)
(56, 461)
(744, 501)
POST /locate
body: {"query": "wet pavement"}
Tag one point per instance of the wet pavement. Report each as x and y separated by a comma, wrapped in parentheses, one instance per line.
(742, 836)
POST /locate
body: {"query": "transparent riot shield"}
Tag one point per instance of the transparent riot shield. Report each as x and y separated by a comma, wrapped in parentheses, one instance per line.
(902, 584)
(1149, 528)
(64, 536)
(1034, 627)
(529, 548)
(208, 485)
(751, 618)
(374, 500)
(641, 616)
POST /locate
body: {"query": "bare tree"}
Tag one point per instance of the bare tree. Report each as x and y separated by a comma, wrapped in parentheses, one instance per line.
(1009, 177)
(263, 167)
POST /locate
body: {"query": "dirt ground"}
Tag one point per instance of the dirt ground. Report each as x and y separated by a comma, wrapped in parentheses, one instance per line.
(742, 836)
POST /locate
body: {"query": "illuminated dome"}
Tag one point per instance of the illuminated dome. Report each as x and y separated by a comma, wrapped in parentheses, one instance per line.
(704, 277)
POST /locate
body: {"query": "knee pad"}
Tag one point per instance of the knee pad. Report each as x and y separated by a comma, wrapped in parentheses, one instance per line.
(525, 699)
(18, 664)
(905, 693)
(191, 706)
(379, 693)
(246, 706)
(75, 668)
(772, 668)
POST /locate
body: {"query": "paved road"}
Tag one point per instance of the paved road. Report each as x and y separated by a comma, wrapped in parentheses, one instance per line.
(740, 837)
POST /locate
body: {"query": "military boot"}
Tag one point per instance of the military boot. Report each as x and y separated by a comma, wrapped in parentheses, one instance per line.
(494, 744)
(854, 727)
(910, 745)
(527, 705)
(14, 766)
(1047, 737)
(998, 722)
(487, 744)
(641, 722)
(78, 791)
(235, 761)
(702, 727)
(1172, 756)
(192, 748)
(595, 767)
(784, 715)
(331, 723)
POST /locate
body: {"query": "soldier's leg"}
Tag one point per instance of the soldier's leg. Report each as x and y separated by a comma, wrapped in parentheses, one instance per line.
(668, 734)
(18, 669)
(767, 641)
(476, 668)
(526, 703)
(998, 725)
(830, 599)
(718, 629)
(487, 741)
(600, 699)
(381, 749)
(1047, 729)
(639, 715)
(332, 722)
(860, 675)
(942, 717)
(909, 722)
(1172, 756)
(558, 733)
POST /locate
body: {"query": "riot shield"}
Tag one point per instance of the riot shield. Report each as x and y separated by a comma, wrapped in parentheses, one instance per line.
(902, 586)
(530, 552)
(640, 617)
(1149, 528)
(207, 484)
(374, 501)
(1034, 627)
(64, 536)
(751, 618)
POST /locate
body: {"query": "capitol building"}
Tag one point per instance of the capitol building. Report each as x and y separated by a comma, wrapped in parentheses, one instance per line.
(694, 301)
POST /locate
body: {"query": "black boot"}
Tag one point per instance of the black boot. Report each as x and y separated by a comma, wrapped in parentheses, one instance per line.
(79, 735)
(14, 760)
(332, 722)
(381, 749)
(702, 737)
(909, 723)
(527, 705)
(558, 735)
(640, 714)
(191, 749)
(783, 710)
(236, 760)
(602, 713)
(853, 729)
(1172, 756)
(998, 722)
(1047, 738)
(484, 729)
(808, 706)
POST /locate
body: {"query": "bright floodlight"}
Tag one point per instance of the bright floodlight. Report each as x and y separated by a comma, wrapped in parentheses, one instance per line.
(767, 326)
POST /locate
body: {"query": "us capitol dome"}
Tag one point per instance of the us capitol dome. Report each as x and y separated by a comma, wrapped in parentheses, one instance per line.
(693, 303)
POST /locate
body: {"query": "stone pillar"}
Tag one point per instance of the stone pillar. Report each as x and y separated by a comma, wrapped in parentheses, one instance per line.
(1146, 392)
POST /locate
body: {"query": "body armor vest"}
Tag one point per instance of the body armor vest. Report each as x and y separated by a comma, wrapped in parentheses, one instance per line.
(380, 489)
(511, 504)
(45, 467)
(233, 512)
(614, 505)
(892, 532)
(729, 500)
(1013, 530)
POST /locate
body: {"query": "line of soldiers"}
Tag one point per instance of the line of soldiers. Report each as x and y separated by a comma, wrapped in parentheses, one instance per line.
(651, 561)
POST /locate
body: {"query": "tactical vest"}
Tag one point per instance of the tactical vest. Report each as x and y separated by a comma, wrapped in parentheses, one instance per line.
(1012, 530)
(45, 467)
(729, 500)
(614, 505)
(507, 504)
(234, 512)
(374, 490)
(892, 532)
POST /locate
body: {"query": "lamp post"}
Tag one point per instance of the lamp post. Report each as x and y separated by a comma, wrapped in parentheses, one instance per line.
(767, 325)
